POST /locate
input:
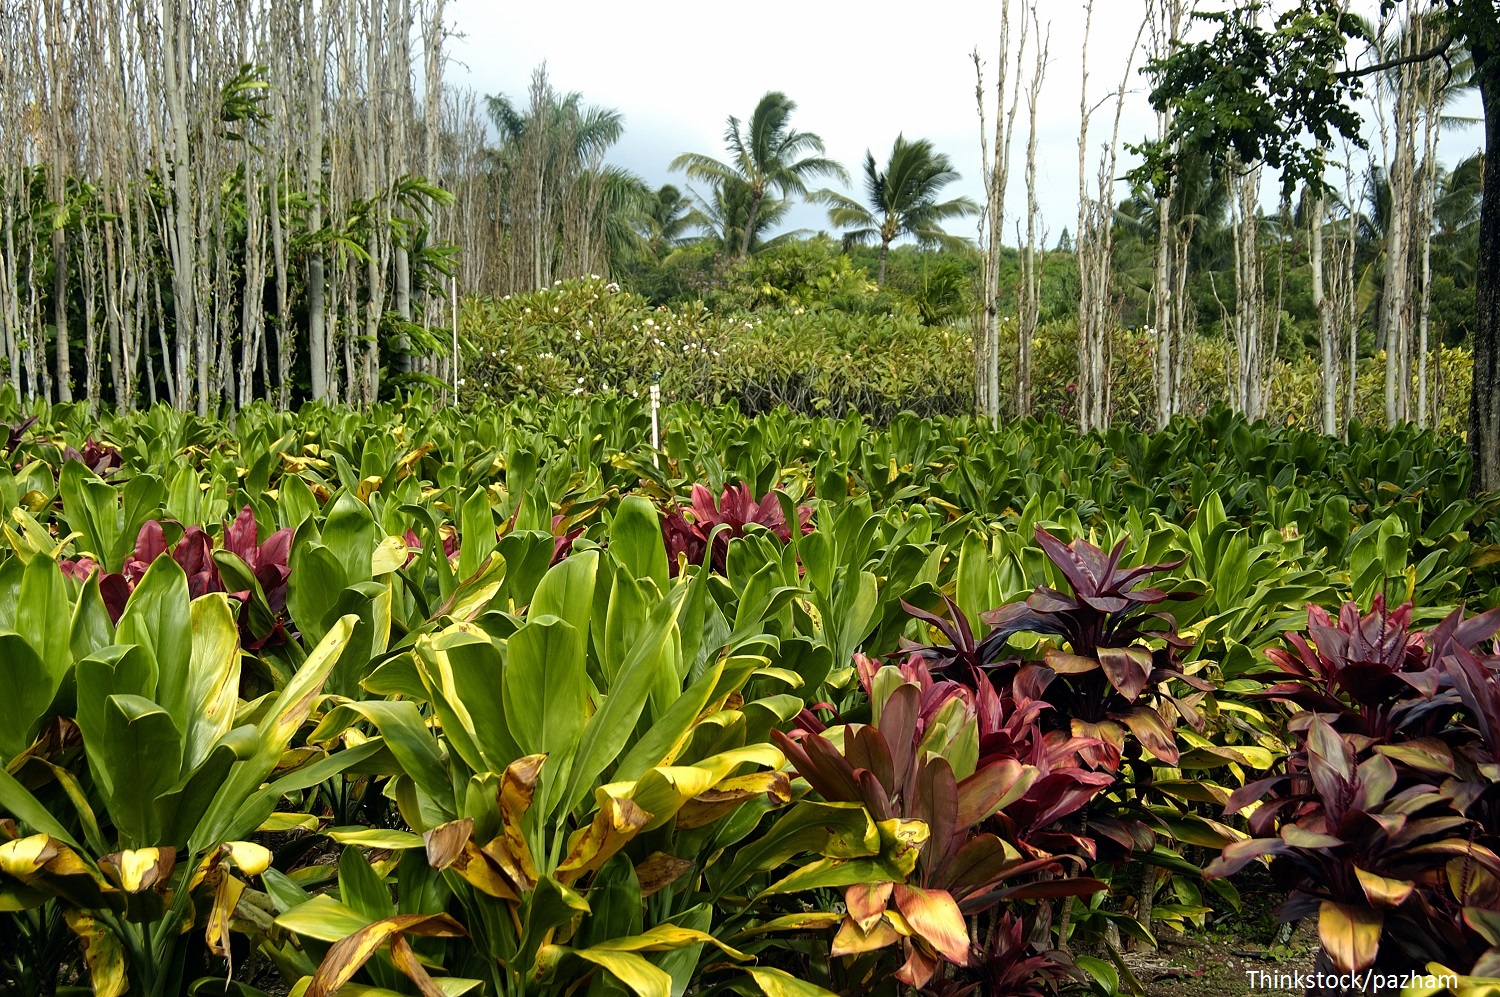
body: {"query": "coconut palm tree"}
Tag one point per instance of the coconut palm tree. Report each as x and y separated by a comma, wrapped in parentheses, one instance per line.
(902, 200)
(667, 218)
(724, 221)
(769, 157)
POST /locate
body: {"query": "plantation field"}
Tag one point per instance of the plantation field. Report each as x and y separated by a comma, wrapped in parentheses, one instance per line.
(498, 700)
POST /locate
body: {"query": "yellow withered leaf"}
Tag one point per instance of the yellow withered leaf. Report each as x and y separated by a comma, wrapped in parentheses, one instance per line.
(24, 857)
(405, 960)
(709, 806)
(445, 843)
(660, 870)
(347, 956)
(854, 940)
(1382, 891)
(483, 874)
(227, 893)
(139, 869)
(517, 789)
(866, 902)
(102, 953)
(615, 823)
(935, 917)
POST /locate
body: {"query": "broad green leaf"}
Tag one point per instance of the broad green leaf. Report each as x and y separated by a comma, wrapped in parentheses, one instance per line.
(476, 532)
(545, 686)
(462, 670)
(349, 532)
(224, 820)
(317, 579)
(42, 616)
(610, 728)
(91, 627)
(323, 918)
(635, 538)
(159, 618)
(213, 679)
(26, 690)
(567, 592)
(143, 749)
(776, 983)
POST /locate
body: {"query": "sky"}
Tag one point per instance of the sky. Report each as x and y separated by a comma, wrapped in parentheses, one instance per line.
(860, 74)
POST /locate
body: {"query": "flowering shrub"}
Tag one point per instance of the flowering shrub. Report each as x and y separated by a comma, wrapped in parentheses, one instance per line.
(762, 350)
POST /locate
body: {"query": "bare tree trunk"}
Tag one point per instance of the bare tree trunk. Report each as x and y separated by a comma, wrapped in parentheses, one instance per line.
(315, 40)
(1248, 295)
(1395, 301)
(1094, 247)
(1028, 311)
(1167, 19)
(996, 170)
(1484, 399)
(1431, 115)
(1326, 339)
(1086, 392)
(58, 58)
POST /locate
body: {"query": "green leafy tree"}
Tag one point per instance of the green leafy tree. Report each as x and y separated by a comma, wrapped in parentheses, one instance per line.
(1278, 91)
(769, 157)
(902, 199)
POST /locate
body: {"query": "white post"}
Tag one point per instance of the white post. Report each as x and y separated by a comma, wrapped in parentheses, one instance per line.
(455, 338)
(655, 425)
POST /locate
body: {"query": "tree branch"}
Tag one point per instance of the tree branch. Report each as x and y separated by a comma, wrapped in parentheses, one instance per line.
(1440, 49)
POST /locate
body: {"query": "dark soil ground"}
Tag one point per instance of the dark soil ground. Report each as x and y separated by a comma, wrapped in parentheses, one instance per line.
(1215, 964)
(1214, 960)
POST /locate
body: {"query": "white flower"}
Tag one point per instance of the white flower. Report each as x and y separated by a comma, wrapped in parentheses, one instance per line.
(461, 381)
(580, 380)
(577, 391)
(577, 336)
(528, 311)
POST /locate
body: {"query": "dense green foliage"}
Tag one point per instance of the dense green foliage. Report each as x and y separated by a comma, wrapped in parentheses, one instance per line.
(806, 329)
(434, 700)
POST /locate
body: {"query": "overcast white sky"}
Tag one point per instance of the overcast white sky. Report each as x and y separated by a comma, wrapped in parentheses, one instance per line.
(860, 74)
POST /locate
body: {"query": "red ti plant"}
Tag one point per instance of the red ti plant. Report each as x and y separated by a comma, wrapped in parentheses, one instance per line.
(101, 458)
(1383, 823)
(1116, 654)
(265, 567)
(737, 508)
(954, 759)
(1365, 674)
(414, 543)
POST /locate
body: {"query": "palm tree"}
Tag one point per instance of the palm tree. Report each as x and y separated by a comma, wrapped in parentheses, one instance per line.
(556, 194)
(902, 199)
(768, 156)
(724, 218)
(667, 218)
